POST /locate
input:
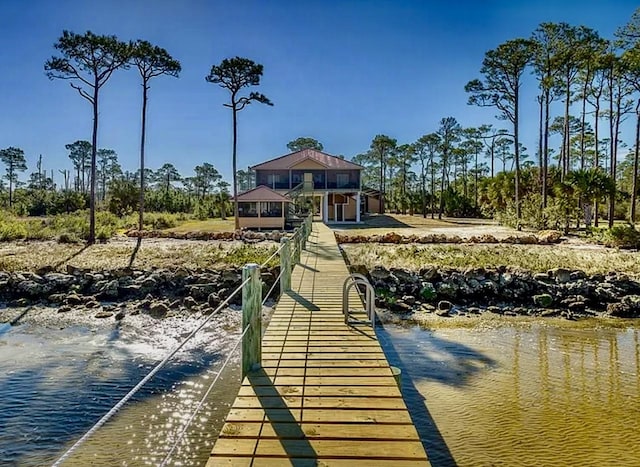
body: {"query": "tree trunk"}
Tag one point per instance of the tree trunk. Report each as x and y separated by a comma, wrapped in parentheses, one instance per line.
(596, 161)
(381, 184)
(92, 185)
(545, 150)
(612, 144)
(517, 156)
(142, 138)
(433, 188)
(441, 210)
(584, 115)
(566, 145)
(634, 189)
(10, 185)
(235, 163)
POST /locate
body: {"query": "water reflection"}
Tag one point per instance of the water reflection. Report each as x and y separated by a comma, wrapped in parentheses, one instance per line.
(515, 394)
(57, 381)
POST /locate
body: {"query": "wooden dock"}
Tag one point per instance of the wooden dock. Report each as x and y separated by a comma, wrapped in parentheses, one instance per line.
(325, 394)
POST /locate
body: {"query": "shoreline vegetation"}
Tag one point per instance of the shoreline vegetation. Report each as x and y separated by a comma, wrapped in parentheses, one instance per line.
(437, 271)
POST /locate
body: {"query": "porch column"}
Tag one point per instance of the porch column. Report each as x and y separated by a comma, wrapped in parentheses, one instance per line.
(358, 207)
(325, 207)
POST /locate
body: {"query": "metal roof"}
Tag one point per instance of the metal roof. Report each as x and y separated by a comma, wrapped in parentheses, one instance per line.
(289, 160)
(262, 193)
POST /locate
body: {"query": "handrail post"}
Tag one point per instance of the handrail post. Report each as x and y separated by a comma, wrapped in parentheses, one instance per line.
(297, 245)
(303, 240)
(252, 317)
(285, 265)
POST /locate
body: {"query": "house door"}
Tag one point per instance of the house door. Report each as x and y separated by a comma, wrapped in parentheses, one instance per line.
(339, 213)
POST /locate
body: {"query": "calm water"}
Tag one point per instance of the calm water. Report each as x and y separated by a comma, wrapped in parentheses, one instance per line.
(522, 394)
(503, 394)
(58, 379)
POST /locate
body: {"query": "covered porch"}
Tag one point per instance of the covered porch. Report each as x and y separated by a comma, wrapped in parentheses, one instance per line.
(262, 208)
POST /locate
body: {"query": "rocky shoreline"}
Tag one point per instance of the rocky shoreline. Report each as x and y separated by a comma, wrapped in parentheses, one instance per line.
(247, 236)
(443, 291)
(547, 237)
(113, 293)
(504, 291)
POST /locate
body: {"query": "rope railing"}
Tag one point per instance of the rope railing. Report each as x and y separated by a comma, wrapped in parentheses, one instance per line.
(202, 400)
(105, 418)
(252, 302)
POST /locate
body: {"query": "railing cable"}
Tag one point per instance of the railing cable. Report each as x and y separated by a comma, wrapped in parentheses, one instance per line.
(144, 380)
(272, 287)
(202, 399)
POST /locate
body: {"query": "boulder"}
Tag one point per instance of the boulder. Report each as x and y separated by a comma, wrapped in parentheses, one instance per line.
(103, 314)
(158, 309)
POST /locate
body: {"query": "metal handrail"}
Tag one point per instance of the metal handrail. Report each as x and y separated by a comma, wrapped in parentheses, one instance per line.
(356, 279)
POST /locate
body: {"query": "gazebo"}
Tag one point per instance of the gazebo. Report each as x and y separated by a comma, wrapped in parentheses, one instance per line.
(262, 208)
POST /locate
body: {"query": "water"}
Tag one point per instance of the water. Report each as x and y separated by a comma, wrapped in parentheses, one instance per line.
(530, 394)
(496, 394)
(59, 374)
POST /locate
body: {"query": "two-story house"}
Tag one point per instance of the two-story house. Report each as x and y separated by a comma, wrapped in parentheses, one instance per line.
(330, 185)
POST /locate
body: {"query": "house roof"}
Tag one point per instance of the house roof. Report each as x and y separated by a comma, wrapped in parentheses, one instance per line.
(289, 160)
(262, 193)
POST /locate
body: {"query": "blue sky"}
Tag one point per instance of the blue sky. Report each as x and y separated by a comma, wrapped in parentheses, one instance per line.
(338, 71)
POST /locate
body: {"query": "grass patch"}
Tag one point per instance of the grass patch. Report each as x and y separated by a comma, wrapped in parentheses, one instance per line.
(153, 253)
(537, 258)
(209, 225)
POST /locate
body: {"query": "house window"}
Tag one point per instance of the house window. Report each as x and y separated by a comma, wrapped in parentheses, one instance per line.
(273, 180)
(342, 180)
(271, 209)
(247, 209)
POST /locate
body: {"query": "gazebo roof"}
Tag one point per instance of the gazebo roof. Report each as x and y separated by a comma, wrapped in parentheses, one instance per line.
(289, 160)
(262, 193)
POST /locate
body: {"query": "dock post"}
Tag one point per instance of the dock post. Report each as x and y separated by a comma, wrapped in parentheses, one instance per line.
(297, 246)
(252, 317)
(285, 266)
(303, 240)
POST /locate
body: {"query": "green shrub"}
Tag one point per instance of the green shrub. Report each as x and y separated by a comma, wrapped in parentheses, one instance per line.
(621, 236)
(68, 237)
(12, 230)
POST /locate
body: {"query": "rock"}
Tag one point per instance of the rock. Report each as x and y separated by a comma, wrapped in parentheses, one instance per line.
(92, 304)
(158, 309)
(549, 236)
(527, 240)
(447, 289)
(175, 304)
(190, 302)
(542, 276)
(391, 237)
(561, 275)
(34, 289)
(144, 304)
(202, 291)
(64, 309)
(404, 276)
(577, 275)
(73, 300)
(577, 307)
(103, 314)
(56, 298)
(550, 313)
(543, 300)
(120, 315)
(378, 273)
(430, 274)
(213, 300)
(426, 307)
(59, 280)
(495, 309)
(445, 305)
(409, 299)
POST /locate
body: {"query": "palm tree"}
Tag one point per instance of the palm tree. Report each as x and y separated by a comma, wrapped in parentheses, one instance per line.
(590, 185)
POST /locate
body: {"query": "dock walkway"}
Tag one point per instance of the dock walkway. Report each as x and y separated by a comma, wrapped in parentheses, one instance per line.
(325, 394)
